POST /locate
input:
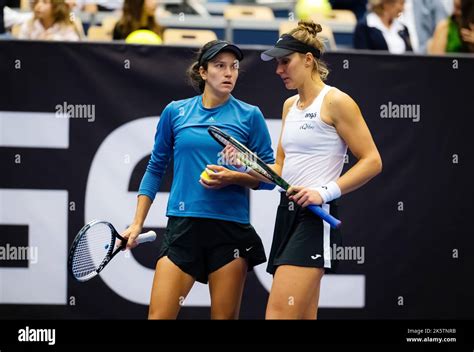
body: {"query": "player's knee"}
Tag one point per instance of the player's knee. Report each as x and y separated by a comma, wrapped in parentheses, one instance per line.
(154, 314)
(225, 316)
(158, 313)
(227, 313)
(310, 314)
(279, 309)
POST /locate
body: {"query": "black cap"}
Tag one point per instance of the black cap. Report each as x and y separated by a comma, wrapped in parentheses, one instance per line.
(287, 45)
(219, 47)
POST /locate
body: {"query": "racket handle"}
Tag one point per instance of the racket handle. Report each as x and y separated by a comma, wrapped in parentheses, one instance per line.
(149, 236)
(331, 220)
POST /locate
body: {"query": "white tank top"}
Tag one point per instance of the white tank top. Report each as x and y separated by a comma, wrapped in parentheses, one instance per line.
(314, 152)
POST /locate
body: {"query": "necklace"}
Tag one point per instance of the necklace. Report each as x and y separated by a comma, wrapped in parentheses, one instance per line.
(300, 105)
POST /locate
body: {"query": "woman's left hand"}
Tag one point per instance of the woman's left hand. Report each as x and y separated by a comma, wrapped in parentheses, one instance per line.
(304, 196)
(231, 156)
(220, 178)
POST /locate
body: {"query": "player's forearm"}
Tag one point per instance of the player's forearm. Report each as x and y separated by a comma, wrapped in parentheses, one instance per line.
(245, 180)
(252, 179)
(361, 173)
(143, 206)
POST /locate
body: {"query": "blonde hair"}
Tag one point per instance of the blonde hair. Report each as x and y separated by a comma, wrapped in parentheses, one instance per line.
(60, 11)
(306, 32)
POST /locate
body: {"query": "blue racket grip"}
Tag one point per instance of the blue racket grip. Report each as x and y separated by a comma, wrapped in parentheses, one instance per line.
(331, 220)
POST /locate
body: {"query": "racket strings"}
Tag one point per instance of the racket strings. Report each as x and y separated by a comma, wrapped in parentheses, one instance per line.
(91, 250)
(249, 159)
(253, 165)
(243, 154)
(221, 139)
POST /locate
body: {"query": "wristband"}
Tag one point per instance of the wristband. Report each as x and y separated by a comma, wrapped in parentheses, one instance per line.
(329, 191)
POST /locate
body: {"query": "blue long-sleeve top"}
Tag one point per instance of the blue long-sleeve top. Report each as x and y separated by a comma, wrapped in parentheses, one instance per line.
(182, 133)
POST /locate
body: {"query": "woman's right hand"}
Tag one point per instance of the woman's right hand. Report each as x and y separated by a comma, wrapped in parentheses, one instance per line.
(131, 234)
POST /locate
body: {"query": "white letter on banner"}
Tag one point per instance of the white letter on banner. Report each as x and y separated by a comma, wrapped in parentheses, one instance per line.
(26, 129)
(44, 281)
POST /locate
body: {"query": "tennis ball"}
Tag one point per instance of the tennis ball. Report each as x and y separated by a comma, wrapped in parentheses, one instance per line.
(305, 8)
(143, 36)
(205, 175)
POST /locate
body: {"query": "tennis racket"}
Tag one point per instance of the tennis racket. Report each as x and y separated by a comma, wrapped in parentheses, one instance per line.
(251, 160)
(94, 247)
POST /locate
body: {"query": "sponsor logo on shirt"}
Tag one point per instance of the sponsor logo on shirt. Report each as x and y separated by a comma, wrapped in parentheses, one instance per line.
(307, 126)
(311, 115)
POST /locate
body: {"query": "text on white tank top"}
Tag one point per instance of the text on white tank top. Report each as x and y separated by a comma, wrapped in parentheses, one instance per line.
(314, 151)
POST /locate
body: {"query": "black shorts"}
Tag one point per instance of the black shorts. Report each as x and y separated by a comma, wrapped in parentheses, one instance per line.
(200, 246)
(301, 238)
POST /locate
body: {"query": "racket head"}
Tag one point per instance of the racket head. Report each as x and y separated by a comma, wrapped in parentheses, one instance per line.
(92, 249)
(247, 157)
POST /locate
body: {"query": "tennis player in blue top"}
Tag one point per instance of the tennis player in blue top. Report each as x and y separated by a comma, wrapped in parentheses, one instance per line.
(208, 237)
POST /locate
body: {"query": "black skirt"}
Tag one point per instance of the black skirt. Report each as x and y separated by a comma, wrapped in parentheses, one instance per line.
(302, 238)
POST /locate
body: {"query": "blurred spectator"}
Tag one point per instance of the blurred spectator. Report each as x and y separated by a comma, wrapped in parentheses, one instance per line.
(381, 29)
(421, 18)
(109, 5)
(51, 21)
(448, 5)
(12, 17)
(456, 33)
(4, 11)
(88, 6)
(359, 7)
(2, 25)
(137, 14)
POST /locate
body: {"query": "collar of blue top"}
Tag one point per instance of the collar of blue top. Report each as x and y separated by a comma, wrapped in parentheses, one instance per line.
(219, 47)
(287, 45)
